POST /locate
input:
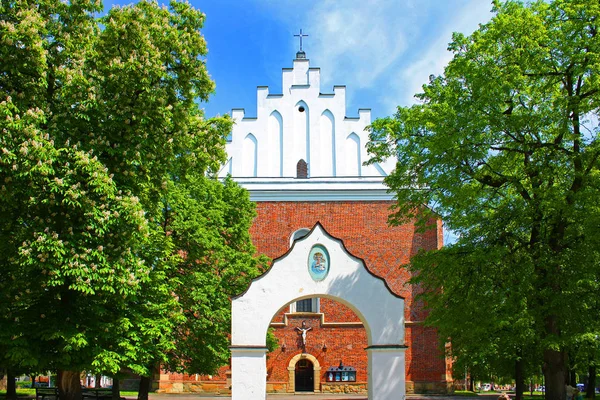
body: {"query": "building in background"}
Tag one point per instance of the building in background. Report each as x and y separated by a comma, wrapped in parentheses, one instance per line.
(302, 160)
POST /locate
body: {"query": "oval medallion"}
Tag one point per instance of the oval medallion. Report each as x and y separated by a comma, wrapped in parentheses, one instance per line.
(318, 262)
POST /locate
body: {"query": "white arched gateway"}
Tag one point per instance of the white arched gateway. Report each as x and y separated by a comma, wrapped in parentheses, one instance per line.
(319, 265)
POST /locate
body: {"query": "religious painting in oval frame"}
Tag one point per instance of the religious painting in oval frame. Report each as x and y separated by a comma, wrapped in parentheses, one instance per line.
(318, 262)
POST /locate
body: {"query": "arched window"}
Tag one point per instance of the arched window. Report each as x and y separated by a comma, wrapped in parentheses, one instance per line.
(299, 234)
(302, 170)
(249, 156)
(275, 144)
(301, 128)
(353, 161)
(322, 143)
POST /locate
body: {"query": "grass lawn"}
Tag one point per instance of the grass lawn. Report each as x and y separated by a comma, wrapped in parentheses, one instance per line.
(465, 393)
(526, 395)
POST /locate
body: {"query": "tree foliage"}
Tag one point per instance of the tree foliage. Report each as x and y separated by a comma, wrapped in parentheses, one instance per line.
(209, 222)
(118, 247)
(504, 147)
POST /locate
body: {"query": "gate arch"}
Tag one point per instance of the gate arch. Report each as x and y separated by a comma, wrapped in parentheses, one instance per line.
(319, 265)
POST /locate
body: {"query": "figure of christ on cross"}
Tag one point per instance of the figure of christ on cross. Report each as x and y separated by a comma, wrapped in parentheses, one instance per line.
(304, 329)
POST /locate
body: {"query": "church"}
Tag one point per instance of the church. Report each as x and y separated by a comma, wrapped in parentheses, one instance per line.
(302, 160)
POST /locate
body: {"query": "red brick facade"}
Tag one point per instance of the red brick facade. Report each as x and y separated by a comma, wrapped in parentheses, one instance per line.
(336, 332)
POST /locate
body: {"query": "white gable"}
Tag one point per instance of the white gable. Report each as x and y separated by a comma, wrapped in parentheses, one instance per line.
(345, 279)
(304, 124)
(318, 265)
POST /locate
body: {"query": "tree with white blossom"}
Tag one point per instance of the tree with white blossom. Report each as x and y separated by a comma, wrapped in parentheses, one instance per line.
(100, 133)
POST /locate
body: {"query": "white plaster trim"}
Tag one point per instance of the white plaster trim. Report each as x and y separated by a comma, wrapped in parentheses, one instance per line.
(319, 195)
(312, 181)
(323, 324)
(304, 356)
(387, 349)
(248, 349)
(369, 188)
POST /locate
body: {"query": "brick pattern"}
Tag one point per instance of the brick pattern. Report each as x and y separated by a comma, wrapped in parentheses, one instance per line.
(363, 227)
(328, 344)
(337, 312)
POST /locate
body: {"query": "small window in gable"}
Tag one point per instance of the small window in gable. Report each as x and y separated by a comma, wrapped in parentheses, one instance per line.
(299, 234)
(302, 170)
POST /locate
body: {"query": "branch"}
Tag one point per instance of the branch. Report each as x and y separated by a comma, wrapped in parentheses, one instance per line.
(503, 148)
(592, 163)
(543, 74)
(588, 93)
(491, 181)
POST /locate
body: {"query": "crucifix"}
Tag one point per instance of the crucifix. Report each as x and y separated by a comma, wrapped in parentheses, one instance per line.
(304, 329)
(301, 35)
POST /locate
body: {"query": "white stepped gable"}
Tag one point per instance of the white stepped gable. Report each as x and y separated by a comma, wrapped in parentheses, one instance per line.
(302, 124)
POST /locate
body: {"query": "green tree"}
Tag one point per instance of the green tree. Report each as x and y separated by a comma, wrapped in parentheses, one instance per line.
(209, 223)
(69, 243)
(206, 223)
(102, 137)
(482, 307)
(503, 146)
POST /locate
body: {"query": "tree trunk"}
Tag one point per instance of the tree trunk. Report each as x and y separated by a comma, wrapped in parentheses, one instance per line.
(472, 383)
(116, 389)
(573, 378)
(11, 385)
(145, 382)
(97, 379)
(554, 374)
(531, 388)
(69, 385)
(33, 381)
(591, 386)
(519, 377)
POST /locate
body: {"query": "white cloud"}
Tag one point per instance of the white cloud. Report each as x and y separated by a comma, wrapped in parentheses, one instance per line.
(433, 58)
(356, 41)
(381, 48)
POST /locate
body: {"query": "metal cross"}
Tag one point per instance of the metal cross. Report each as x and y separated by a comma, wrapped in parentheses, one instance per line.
(301, 35)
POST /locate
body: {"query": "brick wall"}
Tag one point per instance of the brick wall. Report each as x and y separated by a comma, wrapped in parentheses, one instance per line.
(329, 344)
(362, 225)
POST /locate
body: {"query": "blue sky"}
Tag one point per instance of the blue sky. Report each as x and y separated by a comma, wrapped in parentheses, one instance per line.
(382, 50)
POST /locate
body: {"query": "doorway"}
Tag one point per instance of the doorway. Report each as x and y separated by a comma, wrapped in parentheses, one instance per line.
(304, 381)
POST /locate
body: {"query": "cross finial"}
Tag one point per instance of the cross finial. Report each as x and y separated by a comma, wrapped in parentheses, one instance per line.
(301, 35)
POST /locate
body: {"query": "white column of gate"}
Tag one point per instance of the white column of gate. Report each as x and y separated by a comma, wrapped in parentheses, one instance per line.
(347, 281)
(249, 372)
(386, 364)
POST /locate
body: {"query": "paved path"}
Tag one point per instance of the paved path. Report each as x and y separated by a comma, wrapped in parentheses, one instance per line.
(187, 396)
